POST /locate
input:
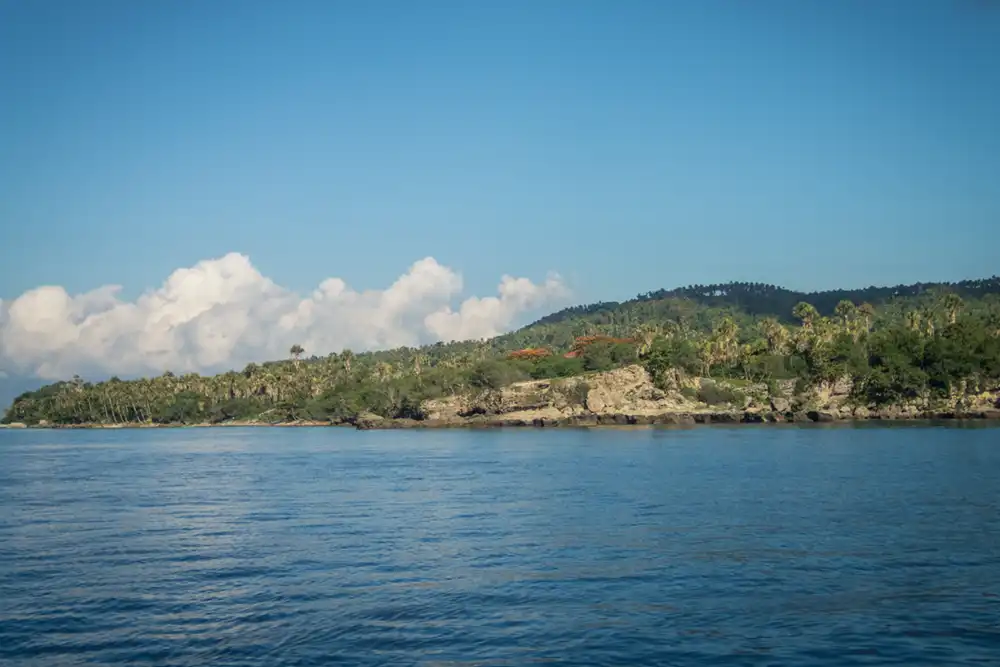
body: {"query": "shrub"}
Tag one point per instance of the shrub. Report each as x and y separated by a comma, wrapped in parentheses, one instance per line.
(575, 393)
(667, 354)
(715, 394)
(607, 354)
(410, 408)
(494, 375)
(556, 367)
(235, 408)
(773, 367)
(182, 408)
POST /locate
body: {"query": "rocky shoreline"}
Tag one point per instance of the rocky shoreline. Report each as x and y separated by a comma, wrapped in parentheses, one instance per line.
(627, 397)
(372, 422)
(676, 419)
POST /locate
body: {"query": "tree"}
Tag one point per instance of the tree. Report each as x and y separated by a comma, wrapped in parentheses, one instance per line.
(383, 371)
(952, 304)
(745, 357)
(296, 352)
(867, 312)
(724, 337)
(775, 334)
(927, 317)
(645, 334)
(846, 311)
(708, 355)
(920, 346)
(420, 360)
(806, 313)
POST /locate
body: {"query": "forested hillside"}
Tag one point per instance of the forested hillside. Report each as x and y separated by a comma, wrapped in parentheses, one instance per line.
(763, 299)
(699, 306)
(925, 342)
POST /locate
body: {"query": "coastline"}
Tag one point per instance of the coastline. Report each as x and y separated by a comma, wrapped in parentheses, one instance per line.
(591, 420)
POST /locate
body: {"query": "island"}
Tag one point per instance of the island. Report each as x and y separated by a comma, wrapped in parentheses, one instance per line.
(727, 353)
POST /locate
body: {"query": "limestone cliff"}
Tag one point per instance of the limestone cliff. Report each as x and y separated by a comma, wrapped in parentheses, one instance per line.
(627, 390)
(630, 392)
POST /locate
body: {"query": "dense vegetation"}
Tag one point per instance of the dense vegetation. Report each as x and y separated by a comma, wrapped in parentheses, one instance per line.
(921, 343)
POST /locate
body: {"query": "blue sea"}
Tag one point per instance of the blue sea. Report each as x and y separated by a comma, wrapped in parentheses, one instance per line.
(798, 546)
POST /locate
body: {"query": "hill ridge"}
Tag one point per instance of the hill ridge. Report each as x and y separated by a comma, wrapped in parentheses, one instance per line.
(777, 297)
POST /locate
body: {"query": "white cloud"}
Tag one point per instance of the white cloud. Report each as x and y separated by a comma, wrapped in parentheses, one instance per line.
(222, 313)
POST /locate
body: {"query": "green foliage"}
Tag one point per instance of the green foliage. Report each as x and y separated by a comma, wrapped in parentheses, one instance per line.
(605, 355)
(495, 374)
(409, 407)
(831, 360)
(890, 385)
(555, 367)
(186, 407)
(338, 406)
(964, 351)
(669, 354)
(768, 367)
(922, 343)
(689, 393)
(235, 409)
(716, 394)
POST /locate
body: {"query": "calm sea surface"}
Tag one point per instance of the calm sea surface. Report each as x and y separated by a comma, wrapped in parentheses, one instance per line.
(711, 546)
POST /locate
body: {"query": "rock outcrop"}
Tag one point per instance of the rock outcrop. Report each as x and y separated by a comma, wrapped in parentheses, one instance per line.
(623, 391)
(627, 396)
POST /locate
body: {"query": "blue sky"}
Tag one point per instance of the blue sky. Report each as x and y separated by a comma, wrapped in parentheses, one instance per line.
(627, 145)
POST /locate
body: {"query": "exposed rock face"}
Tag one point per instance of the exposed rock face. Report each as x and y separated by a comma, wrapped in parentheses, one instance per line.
(368, 420)
(626, 396)
(627, 390)
(779, 404)
(824, 415)
(628, 387)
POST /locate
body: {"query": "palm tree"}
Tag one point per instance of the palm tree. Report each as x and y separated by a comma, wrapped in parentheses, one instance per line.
(927, 315)
(846, 310)
(383, 371)
(333, 360)
(707, 353)
(645, 334)
(993, 324)
(803, 339)
(296, 352)
(806, 313)
(775, 334)
(744, 357)
(824, 330)
(952, 304)
(419, 361)
(867, 312)
(725, 336)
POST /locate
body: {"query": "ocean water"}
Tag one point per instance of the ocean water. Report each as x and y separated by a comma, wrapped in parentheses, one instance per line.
(793, 546)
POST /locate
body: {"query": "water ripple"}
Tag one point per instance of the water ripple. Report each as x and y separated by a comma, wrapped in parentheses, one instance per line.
(806, 547)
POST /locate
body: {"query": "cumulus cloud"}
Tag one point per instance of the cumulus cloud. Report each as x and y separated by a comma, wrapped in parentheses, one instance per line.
(222, 313)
